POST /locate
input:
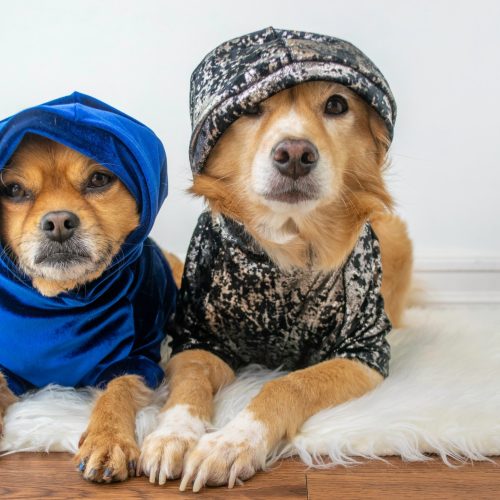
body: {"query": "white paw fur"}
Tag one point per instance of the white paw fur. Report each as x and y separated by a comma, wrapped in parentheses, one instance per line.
(163, 451)
(234, 453)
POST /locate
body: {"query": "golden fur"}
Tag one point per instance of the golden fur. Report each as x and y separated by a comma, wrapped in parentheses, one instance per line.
(7, 398)
(108, 446)
(176, 265)
(55, 175)
(320, 234)
(330, 231)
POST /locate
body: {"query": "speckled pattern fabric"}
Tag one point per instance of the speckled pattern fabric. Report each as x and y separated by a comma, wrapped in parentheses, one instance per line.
(236, 303)
(247, 70)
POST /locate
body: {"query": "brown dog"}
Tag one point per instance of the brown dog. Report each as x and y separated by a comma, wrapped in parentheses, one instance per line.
(313, 224)
(48, 188)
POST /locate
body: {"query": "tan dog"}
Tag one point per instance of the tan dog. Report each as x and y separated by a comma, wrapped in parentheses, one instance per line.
(48, 192)
(313, 223)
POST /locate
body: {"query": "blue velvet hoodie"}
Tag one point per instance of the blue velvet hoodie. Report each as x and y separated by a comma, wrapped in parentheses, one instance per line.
(114, 325)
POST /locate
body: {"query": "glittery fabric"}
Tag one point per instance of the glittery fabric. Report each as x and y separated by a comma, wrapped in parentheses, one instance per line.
(246, 70)
(236, 303)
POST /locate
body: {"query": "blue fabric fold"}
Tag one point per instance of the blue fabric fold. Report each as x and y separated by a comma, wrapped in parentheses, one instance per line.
(115, 324)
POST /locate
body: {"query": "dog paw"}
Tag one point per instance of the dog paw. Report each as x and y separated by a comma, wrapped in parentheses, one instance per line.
(162, 456)
(163, 451)
(234, 453)
(106, 457)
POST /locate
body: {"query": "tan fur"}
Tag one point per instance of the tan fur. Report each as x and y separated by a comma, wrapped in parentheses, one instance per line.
(307, 391)
(195, 376)
(176, 265)
(55, 174)
(329, 233)
(279, 411)
(109, 441)
(7, 398)
(397, 263)
(326, 236)
(355, 149)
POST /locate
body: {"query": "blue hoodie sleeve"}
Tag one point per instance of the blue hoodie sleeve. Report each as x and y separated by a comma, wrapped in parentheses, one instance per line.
(15, 383)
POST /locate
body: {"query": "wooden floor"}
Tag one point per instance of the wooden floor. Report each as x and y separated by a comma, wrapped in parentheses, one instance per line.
(37, 475)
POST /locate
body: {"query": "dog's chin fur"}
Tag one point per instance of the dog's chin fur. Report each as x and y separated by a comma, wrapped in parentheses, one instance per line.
(55, 174)
(347, 185)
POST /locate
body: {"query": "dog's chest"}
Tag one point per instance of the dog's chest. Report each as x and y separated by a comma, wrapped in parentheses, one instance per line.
(268, 315)
(235, 303)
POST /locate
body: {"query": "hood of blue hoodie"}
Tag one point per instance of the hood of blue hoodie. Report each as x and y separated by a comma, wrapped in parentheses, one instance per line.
(115, 324)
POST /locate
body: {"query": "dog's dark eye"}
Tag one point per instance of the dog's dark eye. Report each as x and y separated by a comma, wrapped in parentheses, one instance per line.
(15, 191)
(253, 110)
(99, 180)
(336, 105)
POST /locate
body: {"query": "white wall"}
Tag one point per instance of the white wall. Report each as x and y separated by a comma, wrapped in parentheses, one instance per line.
(440, 57)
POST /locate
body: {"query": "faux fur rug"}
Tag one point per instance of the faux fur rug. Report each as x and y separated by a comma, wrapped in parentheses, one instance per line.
(442, 396)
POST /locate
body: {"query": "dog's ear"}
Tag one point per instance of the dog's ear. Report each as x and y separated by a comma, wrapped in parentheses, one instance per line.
(380, 137)
(366, 178)
(217, 194)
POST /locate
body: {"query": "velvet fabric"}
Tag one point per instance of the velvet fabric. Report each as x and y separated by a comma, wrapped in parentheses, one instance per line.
(115, 324)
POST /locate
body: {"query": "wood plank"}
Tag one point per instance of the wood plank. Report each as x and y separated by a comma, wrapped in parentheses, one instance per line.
(42, 475)
(375, 480)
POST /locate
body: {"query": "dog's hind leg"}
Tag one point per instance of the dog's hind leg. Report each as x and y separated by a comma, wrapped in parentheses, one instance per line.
(397, 263)
(108, 449)
(194, 376)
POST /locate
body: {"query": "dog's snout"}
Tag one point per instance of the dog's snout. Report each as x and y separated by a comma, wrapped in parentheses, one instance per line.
(59, 226)
(295, 157)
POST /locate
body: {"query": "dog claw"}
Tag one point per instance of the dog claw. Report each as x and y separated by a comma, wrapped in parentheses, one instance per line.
(199, 483)
(138, 470)
(153, 474)
(185, 482)
(92, 474)
(132, 466)
(81, 466)
(108, 472)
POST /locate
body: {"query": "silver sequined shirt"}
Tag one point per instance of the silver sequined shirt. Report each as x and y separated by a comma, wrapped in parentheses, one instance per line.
(236, 303)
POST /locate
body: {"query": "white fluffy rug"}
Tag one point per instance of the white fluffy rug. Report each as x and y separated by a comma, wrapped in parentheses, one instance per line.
(442, 396)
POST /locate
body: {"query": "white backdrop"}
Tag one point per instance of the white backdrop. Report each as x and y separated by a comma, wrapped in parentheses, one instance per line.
(441, 58)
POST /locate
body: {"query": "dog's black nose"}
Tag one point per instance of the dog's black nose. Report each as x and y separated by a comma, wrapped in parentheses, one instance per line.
(59, 226)
(295, 158)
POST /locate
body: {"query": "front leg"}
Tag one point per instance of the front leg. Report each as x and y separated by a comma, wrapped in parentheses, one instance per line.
(108, 449)
(194, 376)
(240, 449)
(7, 397)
